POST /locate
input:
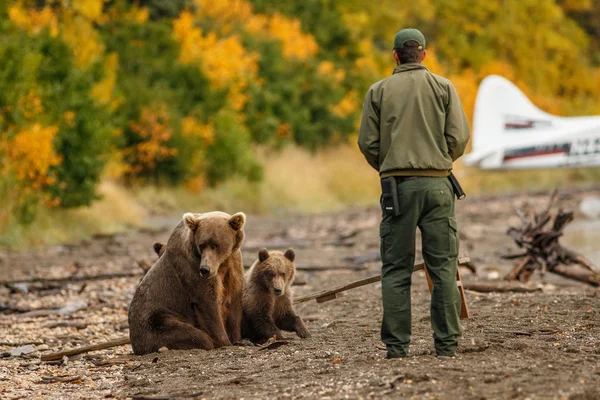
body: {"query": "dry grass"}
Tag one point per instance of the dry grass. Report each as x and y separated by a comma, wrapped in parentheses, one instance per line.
(294, 180)
(115, 212)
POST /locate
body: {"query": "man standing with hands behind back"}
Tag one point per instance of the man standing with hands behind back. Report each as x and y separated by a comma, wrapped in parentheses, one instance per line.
(413, 128)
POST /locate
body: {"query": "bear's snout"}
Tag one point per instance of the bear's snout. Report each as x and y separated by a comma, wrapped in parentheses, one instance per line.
(278, 291)
(204, 270)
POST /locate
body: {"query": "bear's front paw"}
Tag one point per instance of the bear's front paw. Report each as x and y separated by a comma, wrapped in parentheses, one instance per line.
(303, 333)
(222, 342)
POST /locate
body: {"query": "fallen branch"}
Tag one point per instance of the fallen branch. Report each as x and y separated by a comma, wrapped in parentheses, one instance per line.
(66, 324)
(499, 287)
(329, 294)
(525, 333)
(578, 274)
(273, 343)
(69, 309)
(70, 279)
(112, 361)
(168, 396)
(60, 379)
(513, 256)
(85, 349)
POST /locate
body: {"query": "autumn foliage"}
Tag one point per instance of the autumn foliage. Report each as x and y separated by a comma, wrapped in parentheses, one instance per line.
(180, 92)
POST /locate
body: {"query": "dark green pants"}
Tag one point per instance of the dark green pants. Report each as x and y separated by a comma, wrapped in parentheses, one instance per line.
(426, 203)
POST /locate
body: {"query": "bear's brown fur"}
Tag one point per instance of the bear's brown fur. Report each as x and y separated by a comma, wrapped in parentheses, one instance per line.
(268, 301)
(178, 302)
(231, 303)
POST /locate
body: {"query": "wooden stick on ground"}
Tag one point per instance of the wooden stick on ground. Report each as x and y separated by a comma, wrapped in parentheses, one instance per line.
(499, 287)
(329, 294)
(85, 349)
(68, 279)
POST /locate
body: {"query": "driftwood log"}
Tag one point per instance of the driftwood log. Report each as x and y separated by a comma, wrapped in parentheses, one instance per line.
(499, 287)
(539, 236)
(330, 294)
(85, 349)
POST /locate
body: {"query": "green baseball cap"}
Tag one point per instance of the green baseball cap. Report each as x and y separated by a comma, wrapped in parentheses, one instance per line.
(407, 34)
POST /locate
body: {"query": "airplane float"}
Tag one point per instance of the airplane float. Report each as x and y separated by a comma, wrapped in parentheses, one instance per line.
(509, 132)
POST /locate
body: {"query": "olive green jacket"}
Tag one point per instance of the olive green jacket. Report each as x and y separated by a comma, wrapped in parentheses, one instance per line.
(413, 124)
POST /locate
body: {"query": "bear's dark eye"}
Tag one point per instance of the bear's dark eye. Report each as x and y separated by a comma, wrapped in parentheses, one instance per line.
(215, 246)
(283, 275)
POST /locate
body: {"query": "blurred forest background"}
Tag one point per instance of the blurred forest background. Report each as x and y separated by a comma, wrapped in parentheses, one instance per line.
(112, 111)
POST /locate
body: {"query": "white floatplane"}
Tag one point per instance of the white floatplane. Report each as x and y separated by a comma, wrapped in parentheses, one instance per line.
(509, 132)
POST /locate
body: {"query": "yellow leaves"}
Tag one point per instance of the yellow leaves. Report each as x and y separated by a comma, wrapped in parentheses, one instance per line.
(498, 67)
(187, 35)
(356, 22)
(32, 20)
(31, 155)
(190, 127)
(295, 42)
(348, 105)
(257, 24)
(328, 70)
(466, 87)
(367, 64)
(226, 63)
(69, 118)
(221, 55)
(31, 105)
(83, 39)
(577, 5)
(226, 60)
(432, 62)
(325, 68)
(226, 12)
(90, 9)
(137, 14)
(103, 91)
(75, 23)
(154, 129)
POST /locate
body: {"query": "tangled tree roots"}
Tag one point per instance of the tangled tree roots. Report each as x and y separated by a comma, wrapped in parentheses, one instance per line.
(543, 252)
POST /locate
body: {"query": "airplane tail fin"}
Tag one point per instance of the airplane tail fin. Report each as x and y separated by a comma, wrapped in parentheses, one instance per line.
(501, 110)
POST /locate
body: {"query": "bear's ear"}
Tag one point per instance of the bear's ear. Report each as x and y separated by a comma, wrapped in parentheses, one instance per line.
(237, 221)
(263, 254)
(159, 248)
(289, 254)
(190, 221)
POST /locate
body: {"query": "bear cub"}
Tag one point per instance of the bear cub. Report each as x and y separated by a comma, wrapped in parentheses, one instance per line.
(267, 299)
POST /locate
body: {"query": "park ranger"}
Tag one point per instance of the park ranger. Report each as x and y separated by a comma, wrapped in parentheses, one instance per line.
(413, 128)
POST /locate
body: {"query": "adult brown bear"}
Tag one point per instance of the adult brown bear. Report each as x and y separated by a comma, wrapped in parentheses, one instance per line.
(179, 303)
